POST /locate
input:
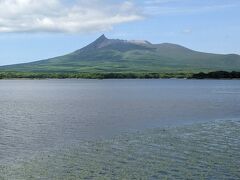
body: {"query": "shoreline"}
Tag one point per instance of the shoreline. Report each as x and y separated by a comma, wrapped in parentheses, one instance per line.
(221, 75)
(119, 79)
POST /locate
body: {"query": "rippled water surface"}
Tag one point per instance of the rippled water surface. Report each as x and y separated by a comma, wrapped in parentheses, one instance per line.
(203, 151)
(82, 128)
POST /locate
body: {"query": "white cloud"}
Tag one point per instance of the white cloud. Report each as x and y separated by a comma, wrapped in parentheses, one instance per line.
(57, 16)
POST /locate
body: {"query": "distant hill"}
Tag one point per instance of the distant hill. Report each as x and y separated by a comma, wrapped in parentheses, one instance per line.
(114, 55)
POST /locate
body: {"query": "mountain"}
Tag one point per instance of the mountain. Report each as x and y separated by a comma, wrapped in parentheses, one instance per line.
(114, 55)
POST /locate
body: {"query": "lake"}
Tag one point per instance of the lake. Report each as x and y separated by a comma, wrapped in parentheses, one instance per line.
(64, 118)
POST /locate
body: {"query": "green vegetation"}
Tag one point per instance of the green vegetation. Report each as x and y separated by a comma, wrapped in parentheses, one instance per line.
(44, 75)
(217, 75)
(34, 75)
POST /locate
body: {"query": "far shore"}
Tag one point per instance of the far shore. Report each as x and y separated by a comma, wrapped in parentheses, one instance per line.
(224, 75)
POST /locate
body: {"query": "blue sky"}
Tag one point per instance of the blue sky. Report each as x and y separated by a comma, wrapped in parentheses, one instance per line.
(33, 30)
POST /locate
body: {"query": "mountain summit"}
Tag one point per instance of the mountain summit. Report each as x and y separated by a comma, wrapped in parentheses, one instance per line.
(115, 55)
(115, 44)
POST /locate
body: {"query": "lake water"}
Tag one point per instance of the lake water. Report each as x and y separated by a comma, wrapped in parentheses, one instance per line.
(47, 116)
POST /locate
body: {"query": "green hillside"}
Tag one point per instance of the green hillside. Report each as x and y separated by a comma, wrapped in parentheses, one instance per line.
(113, 55)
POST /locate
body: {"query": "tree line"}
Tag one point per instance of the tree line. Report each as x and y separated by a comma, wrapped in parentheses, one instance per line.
(140, 75)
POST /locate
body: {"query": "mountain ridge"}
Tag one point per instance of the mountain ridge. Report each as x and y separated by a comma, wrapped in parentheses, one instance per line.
(115, 55)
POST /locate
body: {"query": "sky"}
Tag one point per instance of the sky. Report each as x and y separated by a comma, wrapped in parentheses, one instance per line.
(32, 30)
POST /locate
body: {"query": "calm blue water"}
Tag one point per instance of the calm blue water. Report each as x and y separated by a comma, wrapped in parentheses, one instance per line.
(44, 115)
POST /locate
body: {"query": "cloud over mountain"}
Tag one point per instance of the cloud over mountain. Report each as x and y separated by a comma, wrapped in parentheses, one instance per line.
(64, 16)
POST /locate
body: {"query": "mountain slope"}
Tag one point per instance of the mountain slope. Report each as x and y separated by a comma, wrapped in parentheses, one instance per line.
(113, 55)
